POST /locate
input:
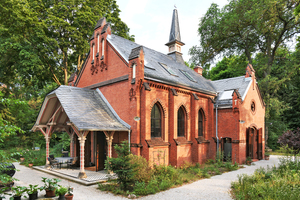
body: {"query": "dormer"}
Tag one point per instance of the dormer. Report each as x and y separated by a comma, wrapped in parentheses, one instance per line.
(175, 44)
(136, 63)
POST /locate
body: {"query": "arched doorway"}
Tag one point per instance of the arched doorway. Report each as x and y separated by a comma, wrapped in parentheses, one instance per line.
(250, 135)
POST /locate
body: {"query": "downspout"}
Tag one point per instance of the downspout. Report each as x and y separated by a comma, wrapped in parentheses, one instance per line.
(217, 130)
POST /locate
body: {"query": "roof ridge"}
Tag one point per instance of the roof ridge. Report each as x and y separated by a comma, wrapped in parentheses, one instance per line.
(229, 78)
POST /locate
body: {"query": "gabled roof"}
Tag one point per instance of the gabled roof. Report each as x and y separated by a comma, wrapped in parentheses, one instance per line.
(155, 71)
(226, 86)
(87, 109)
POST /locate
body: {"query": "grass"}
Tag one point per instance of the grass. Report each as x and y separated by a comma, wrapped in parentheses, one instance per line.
(161, 178)
(282, 182)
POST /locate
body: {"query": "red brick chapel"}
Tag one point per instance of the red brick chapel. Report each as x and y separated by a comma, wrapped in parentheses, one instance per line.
(169, 113)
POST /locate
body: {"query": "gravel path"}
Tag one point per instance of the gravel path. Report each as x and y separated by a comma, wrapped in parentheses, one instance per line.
(217, 187)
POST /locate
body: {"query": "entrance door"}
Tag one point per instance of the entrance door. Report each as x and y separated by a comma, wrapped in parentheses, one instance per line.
(259, 144)
(100, 150)
(249, 142)
(227, 149)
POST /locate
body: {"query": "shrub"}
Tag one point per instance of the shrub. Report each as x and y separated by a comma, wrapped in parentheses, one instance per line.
(141, 170)
(122, 166)
(282, 182)
(291, 139)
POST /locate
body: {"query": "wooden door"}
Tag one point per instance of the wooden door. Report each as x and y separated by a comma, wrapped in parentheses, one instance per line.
(249, 142)
(100, 150)
(259, 144)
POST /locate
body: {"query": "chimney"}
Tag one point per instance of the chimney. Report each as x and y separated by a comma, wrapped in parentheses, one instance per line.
(199, 70)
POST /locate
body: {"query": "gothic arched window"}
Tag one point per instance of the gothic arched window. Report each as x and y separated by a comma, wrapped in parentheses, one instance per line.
(200, 123)
(156, 121)
(180, 122)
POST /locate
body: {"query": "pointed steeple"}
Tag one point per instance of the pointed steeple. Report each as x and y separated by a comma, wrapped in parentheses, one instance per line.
(175, 30)
(175, 43)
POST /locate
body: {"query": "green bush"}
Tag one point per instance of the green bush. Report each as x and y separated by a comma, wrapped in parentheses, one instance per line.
(141, 169)
(122, 166)
(282, 182)
(38, 158)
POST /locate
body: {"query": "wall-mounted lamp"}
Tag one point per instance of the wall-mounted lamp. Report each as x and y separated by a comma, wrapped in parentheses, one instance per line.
(241, 121)
(136, 119)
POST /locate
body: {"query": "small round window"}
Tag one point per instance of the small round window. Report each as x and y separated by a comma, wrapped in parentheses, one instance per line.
(253, 106)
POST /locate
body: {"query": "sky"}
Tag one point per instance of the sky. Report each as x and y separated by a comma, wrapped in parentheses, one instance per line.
(150, 21)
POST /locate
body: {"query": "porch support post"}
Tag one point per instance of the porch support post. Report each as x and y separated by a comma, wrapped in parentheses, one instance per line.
(109, 137)
(72, 145)
(82, 173)
(47, 149)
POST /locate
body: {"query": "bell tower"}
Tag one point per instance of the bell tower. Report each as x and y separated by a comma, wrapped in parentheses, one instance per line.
(175, 43)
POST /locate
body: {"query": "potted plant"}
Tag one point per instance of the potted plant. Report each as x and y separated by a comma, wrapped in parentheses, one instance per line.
(267, 155)
(32, 191)
(50, 185)
(3, 192)
(69, 195)
(248, 161)
(61, 191)
(17, 192)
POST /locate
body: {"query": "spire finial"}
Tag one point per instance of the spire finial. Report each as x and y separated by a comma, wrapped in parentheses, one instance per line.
(175, 6)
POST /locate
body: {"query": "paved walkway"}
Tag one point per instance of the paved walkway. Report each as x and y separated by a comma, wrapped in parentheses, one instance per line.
(217, 187)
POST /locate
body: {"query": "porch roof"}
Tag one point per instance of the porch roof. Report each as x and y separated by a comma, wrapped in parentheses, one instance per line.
(86, 109)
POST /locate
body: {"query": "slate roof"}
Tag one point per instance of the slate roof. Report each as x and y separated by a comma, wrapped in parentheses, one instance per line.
(99, 22)
(155, 71)
(88, 109)
(241, 84)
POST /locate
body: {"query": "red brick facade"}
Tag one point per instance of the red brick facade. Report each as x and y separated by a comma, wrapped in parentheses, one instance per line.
(132, 98)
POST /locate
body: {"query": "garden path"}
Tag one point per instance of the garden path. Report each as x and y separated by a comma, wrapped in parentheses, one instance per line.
(217, 187)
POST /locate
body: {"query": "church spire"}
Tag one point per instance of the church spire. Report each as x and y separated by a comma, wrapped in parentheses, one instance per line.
(175, 43)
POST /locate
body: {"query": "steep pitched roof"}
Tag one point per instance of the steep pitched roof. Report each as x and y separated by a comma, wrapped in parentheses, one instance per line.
(159, 65)
(226, 87)
(87, 109)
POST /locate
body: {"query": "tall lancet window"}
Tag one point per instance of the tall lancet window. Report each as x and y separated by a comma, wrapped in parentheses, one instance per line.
(200, 123)
(102, 50)
(133, 70)
(180, 122)
(156, 121)
(98, 44)
(93, 52)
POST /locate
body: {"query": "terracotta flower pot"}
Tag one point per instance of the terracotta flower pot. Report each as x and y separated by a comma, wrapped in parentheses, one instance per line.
(30, 164)
(267, 157)
(22, 159)
(69, 197)
(50, 193)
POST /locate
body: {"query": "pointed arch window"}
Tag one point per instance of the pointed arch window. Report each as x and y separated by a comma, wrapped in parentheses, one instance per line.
(200, 123)
(156, 121)
(102, 49)
(180, 122)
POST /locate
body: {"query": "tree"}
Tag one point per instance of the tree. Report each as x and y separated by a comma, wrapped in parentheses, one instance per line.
(291, 139)
(44, 40)
(245, 27)
(122, 166)
(228, 67)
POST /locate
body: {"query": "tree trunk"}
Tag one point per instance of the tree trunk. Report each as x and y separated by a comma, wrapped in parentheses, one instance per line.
(65, 67)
